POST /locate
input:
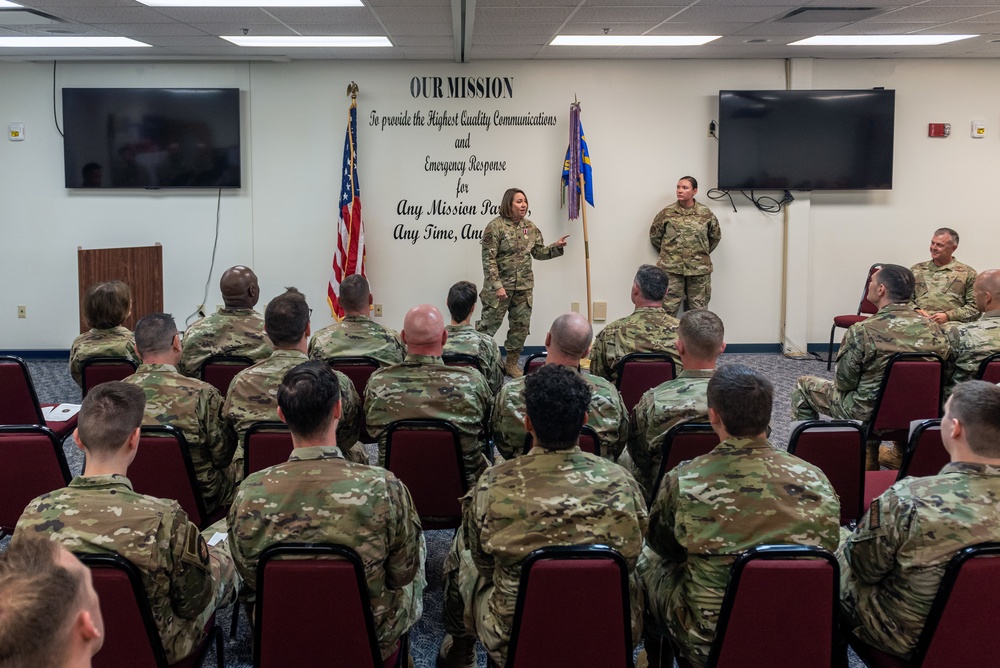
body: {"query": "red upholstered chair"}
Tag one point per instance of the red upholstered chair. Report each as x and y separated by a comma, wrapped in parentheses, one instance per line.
(865, 309)
(588, 441)
(457, 359)
(426, 454)
(925, 455)
(989, 370)
(339, 629)
(359, 370)
(131, 638)
(638, 372)
(572, 609)
(265, 444)
(32, 463)
(20, 402)
(838, 449)
(163, 468)
(910, 390)
(780, 609)
(97, 370)
(682, 442)
(534, 362)
(219, 370)
(961, 629)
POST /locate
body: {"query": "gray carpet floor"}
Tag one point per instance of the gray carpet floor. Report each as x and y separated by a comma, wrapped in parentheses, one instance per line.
(54, 385)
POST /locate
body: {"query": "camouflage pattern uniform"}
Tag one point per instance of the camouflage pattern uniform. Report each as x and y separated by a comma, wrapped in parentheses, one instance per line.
(892, 565)
(253, 397)
(195, 409)
(230, 331)
(423, 387)
(184, 579)
(465, 340)
(698, 512)
(357, 336)
(682, 399)
(507, 251)
(946, 289)
(971, 343)
(115, 342)
(861, 361)
(607, 416)
(319, 497)
(646, 330)
(683, 238)
(542, 498)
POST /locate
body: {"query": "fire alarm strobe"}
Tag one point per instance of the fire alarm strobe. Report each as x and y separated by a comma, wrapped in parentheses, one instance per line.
(978, 129)
(938, 129)
(15, 131)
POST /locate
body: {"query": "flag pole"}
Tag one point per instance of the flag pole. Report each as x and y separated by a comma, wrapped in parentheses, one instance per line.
(586, 248)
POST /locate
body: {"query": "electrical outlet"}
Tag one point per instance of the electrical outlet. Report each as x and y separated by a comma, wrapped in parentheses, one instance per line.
(378, 310)
(600, 311)
(22, 311)
(574, 307)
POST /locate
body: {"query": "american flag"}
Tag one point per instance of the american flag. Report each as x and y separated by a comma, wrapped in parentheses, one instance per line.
(350, 256)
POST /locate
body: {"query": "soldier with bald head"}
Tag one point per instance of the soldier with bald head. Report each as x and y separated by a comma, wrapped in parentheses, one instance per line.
(566, 343)
(357, 335)
(972, 342)
(422, 386)
(236, 329)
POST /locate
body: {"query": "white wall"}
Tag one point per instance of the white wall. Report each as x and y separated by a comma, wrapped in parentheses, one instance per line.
(646, 125)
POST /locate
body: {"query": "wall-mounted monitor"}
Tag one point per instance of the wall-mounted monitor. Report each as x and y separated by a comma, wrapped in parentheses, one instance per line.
(806, 139)
(151, 137)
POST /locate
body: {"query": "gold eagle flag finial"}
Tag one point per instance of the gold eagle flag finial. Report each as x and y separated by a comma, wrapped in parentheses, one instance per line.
(352, 90)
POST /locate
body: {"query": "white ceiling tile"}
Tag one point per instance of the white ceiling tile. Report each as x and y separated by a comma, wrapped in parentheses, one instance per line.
(130, 29)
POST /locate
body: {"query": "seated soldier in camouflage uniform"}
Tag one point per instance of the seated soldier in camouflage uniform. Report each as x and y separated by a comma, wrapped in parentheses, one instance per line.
(699, 343)
(712, 508)
(105, 307)
(864, 354)
(237, 329)
(185, 579)
(548, 496)
(464, 339)
(972, 342)
(942, 288)
(319, 497)
(892, 565)
(357, 334)
(566, 343)
(252, 395)
(189, 405)
(649, 329)
(422, 386)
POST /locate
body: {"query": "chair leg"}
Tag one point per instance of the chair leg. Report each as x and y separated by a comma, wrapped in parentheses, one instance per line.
(220, 650)
(829, 352)
(235, 623)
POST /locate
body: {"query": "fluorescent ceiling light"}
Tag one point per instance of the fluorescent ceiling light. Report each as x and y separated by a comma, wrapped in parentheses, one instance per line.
(7, 4)
(879, 40)
(252, 3)
(633, 40)
(68, 42)
(308, 40)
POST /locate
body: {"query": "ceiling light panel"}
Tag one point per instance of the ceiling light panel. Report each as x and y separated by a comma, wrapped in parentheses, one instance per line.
(633, 40)
(69, 42)
(252, 3)
(879, 40)
(306, 41)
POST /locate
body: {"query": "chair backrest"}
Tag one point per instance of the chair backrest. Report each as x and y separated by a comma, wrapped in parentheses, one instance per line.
(910, 390)
(20, 403)
(572, 609)
(131, 637)
(32, 463)
(163, 468)
(265, 444)
(219, 370)
(838, 449)
(780, 608)
(989, 369)
(459, 359)
(339, 629)
(638, 372)
(961, 628)
(682, 442)
(925, 454)
(426, 455)
(534, 362)
(358, 369)
(865, 305)
(97, 370)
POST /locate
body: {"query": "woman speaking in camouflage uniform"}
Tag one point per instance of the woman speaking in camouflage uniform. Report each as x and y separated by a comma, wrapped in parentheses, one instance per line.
(509, 242)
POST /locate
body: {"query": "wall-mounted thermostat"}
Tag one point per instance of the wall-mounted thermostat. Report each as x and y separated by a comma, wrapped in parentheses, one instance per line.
(978, 129)
(15, 131)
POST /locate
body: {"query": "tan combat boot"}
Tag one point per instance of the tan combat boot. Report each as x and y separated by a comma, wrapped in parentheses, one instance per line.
(457, 652)
(510, 364)
(890, 455)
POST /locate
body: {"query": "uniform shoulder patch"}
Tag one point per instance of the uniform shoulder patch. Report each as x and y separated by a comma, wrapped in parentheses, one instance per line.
(875, 514)
(195, 548)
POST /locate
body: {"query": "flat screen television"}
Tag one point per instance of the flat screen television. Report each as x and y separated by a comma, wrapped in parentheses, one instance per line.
(151, 137)
(806, 139)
